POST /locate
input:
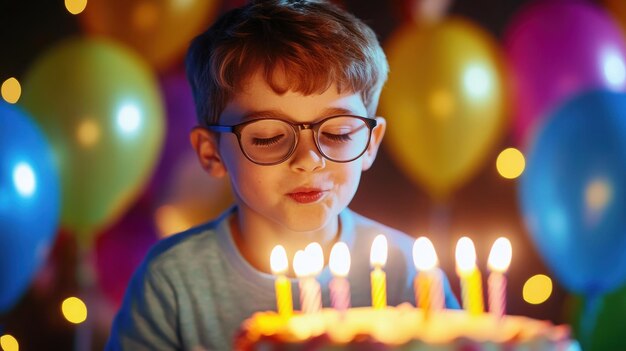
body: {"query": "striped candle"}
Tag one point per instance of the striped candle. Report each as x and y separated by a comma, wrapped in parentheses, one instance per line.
(428, 282)
(339, 286)
(499, 261)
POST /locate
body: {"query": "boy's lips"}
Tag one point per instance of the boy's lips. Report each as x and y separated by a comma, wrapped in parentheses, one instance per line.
(306, 195)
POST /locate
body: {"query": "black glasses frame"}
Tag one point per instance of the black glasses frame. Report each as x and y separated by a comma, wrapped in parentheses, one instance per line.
(297, 127)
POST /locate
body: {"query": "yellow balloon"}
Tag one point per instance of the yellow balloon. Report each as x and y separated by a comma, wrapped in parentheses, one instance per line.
(445, 102)
(159, 30)
(100, 106)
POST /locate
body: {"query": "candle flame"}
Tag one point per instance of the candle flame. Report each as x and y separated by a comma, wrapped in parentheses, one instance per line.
(500, 255)
(339, 260)
(278, 260)
(314, 257)
(378, 254)
(424, 255)
(465, 254)
(299, 264)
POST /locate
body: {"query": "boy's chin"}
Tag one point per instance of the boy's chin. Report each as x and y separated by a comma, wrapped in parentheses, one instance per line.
(310, 222)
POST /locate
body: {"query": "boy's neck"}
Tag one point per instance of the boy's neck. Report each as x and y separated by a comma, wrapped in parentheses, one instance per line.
(255, 240)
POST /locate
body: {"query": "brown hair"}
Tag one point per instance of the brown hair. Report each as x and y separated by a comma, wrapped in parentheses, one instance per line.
(313, 42)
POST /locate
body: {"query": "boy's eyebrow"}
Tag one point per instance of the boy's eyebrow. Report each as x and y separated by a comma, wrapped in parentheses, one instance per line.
(331, 111)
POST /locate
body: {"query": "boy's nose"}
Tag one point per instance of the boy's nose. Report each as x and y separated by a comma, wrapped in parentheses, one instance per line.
(306, 157)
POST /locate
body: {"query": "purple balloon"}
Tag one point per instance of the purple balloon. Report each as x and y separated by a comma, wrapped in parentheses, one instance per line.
(557, 49)
(180, 119)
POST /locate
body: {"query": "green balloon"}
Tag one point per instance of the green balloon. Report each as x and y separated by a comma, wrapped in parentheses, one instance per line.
(603, 328)
(100, 106)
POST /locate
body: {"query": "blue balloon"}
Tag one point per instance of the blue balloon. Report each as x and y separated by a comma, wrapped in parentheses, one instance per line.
(573, 192)
(29, 202)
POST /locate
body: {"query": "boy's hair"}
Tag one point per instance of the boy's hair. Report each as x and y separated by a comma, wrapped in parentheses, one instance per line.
(314, 43)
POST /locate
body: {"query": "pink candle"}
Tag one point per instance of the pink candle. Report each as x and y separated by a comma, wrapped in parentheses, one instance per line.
(339, 287)
(307, 264)
(499, 261)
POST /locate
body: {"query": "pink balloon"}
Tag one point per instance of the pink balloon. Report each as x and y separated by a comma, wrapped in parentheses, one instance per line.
(120, 250)
(557, 49)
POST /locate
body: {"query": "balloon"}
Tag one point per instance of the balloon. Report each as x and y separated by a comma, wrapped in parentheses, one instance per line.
(159, 30)
(608, 331)
(181, 193)
(129, 238)
(180, 118)
(192, 197)
(101, 109)
(573, 193)
(445, 102)
(29, 202)
(556, 49)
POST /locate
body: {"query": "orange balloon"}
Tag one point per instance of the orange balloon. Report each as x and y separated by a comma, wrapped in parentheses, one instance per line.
(159, 30)
(617, 8)
(445, 102)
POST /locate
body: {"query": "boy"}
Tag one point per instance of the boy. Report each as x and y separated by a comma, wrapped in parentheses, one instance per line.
(285, 93)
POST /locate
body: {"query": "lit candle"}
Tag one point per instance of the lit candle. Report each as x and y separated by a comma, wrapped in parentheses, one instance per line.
(471, 280)
(499, 261)
(428, 283)
(278, 264)
(340, 266)
(378, 258)
(307, 265)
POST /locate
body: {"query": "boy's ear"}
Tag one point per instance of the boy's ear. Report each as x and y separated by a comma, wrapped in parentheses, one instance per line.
(206, 145)
(377, 137)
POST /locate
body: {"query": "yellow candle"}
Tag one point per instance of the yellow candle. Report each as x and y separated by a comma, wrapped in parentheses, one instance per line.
(428, 281)
(471, 280)
(378, 258)
(278, 264)
(499, 261)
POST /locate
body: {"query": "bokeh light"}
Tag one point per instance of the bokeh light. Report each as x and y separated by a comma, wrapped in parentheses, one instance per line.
(75, 6)
(441, 104)
(129, 118)
(537, 289)
(88, 133)
(598, 194)
(9, 343)
(613, 68)
(11, 90)
(169, 220)
(510, 163)
(74, 310)
(476, 82)
(24, 179)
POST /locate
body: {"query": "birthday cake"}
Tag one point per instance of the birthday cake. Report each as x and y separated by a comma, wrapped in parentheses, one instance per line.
(399, 328)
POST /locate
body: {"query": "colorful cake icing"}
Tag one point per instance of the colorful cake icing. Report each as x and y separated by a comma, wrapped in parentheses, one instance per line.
(400, 328)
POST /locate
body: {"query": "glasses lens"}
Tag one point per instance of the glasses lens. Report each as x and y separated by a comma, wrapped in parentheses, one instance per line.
(267, 140)
(343, 138)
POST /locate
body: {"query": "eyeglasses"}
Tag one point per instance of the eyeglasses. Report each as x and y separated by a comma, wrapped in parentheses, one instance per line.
(272, 141)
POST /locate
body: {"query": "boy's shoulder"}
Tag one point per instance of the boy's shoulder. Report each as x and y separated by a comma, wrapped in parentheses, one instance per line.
(199, 242)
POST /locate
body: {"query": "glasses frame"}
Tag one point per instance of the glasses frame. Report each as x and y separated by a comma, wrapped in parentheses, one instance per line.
(237, 129)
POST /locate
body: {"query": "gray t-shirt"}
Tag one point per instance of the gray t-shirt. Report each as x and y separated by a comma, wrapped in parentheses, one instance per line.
(194, 289)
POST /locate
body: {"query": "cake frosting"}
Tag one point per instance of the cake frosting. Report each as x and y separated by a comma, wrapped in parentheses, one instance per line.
(399, 328)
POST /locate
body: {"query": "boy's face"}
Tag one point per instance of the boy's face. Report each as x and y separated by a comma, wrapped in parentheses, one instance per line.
(307, 191)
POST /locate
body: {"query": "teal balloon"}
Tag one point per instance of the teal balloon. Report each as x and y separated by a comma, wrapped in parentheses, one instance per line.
(29, 202)
(573, 192)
